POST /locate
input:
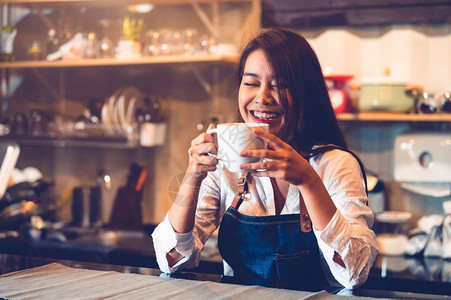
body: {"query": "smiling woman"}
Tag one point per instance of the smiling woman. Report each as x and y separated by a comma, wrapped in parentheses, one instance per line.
(258, 99)
(298, 217)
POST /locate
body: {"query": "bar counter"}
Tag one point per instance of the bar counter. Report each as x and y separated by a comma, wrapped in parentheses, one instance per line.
(132, 252)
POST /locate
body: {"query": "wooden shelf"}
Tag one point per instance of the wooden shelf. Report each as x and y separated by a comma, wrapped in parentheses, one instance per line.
(74, 142)
(173, 59)
(119, 2)
(394, 117)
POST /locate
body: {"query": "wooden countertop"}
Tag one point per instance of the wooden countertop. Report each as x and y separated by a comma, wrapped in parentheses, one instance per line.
(135, 250)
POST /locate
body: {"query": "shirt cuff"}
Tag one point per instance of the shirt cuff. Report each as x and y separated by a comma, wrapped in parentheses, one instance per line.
(166, 239)
(185, 243)
(164, 229)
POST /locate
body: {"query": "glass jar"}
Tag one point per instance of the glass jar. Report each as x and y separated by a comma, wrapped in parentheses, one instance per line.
(445, 103)
(35, 51)
(427, 103)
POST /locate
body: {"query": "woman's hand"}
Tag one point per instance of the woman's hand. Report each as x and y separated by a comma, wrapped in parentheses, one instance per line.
(182, 212)
(199, 161)
(280, 161)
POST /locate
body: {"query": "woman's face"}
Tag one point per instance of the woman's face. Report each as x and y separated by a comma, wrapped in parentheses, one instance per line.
(258, 97)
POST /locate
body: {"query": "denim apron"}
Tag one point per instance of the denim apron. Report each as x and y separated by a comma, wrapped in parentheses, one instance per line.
(274, 251)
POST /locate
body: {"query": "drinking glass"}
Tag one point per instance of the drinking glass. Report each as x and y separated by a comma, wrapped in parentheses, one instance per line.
(105, 47)
(189, 41)
(152, 44)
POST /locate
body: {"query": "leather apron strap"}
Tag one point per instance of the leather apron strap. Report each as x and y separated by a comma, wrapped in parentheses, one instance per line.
(243, 186)
(306, 223)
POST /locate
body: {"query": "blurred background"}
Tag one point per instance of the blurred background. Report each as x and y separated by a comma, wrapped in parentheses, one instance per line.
(104, 97)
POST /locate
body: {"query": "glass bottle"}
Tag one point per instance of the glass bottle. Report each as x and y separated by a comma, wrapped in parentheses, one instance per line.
(35, 51)
(427, 104)
(105, 47)
(53, 42)
(447, 230)
(445, 103)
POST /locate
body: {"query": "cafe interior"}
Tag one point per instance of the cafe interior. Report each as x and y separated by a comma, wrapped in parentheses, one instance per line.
(100, 100)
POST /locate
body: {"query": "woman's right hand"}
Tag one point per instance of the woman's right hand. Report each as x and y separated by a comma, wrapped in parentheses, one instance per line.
(182, 212)
(200, 163)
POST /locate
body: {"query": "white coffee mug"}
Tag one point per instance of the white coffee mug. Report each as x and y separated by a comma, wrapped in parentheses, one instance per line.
(234, 138)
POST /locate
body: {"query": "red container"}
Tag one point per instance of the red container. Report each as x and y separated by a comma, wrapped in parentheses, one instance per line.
(338, 92)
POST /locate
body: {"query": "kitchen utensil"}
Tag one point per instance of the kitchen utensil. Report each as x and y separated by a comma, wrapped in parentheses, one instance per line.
(19, 125)
(434, 246)
(87, 206)
(127, 212)
(376, 193)
(37, 123)
(112, 107)
(152, 134)
(394, 217)
(93, 110)
(10, 153)
(427, 103)
(338, 92)
(447, 230)
(17, 193)
(20, 201)
(391, 232)
(153, 108)
(423, 157)
(127, 101)
(445, 102)
(385, 94)
(12, 216)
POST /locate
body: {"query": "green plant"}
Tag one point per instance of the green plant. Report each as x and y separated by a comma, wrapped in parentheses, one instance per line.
(132, 28)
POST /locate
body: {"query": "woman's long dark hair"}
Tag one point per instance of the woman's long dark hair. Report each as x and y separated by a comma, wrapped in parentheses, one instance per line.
(311, 120)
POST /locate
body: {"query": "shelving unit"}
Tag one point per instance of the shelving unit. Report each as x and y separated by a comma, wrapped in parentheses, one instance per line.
(170, 59)
(72, 142)
(393, 117)
(122, 2)
(194, 87)
(209, 13)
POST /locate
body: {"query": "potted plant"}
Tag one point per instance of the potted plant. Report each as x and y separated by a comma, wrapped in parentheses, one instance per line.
(130, 46)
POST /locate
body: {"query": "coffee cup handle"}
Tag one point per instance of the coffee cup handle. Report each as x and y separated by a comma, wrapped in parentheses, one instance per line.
(214, 155)
(211, 131)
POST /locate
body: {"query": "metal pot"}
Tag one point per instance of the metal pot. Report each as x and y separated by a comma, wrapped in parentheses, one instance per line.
(19, 202)
(385, 94)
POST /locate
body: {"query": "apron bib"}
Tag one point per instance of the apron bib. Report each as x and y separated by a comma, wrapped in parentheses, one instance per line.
(275, 251)
(269, 250)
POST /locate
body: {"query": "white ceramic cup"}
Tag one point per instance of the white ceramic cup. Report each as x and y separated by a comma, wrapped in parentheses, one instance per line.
(234, 138)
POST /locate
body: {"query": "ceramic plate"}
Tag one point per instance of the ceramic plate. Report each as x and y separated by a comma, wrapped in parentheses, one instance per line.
(394, 216)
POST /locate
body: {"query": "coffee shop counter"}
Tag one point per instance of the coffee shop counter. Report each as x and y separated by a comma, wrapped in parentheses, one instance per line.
(132, 252)
(39, 278)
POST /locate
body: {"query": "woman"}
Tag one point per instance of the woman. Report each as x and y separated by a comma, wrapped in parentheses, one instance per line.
(303, 180)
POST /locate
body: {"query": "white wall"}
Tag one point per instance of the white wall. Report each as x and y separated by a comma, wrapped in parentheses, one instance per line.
(420, 54)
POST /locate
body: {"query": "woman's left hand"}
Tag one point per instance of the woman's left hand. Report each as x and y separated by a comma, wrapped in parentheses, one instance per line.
(280, 161)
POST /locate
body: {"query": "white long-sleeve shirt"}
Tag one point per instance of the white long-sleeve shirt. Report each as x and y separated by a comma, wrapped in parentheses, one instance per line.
(348, 232)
